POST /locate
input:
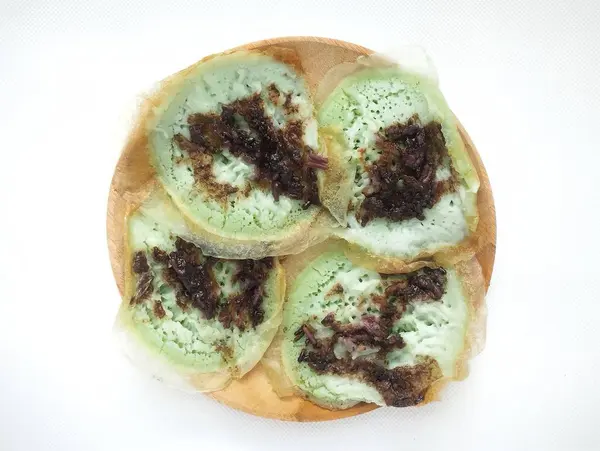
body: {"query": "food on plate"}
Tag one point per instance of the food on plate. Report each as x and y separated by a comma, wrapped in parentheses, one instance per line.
(407, 187)
(352, 335)
(300, 233)
(196, 321)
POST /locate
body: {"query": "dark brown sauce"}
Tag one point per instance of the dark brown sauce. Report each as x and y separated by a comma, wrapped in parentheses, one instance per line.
(401, 386)
(282, 161)
(402, 180)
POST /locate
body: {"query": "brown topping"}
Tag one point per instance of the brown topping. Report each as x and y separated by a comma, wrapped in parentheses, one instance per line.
(425, 284)
(373, 332)
(309, 332)
(279, 155)
(158, 309)
(403, 178)
(144, 288)
(140, 264)
(299, 334)
(181, 303)
(276, 189)
(445, 186)
(181, 298)
(288, 106)
(225, 351)
(273, 93)
(401, 386)
(316, 161)
(336, 289)
(246, 308)
(159, 255)
(202, 165)
(191, 276)
(140, 267)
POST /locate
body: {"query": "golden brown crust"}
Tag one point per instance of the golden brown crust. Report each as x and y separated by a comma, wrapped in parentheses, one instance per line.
(133, 179)
(286, 56)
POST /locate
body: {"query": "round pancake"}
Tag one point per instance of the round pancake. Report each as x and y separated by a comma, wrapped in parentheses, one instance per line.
(234, 142)
(408, 188)
(195, 321)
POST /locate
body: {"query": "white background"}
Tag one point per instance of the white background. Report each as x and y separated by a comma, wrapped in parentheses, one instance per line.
(522, 76)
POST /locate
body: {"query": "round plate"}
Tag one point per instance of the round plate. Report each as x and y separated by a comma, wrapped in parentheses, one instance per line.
(253, 393)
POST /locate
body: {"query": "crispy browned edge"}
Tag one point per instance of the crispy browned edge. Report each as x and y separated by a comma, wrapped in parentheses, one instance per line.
(133, 179)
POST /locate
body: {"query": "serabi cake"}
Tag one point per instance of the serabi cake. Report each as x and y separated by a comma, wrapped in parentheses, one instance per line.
(196, 321)
(409, 189)
(234, 142)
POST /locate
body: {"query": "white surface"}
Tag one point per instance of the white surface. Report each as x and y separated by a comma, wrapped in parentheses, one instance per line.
(521, 75)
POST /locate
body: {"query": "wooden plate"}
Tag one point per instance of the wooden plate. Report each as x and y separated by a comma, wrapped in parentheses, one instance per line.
(253, 393)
